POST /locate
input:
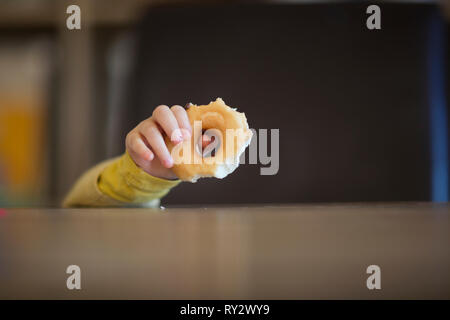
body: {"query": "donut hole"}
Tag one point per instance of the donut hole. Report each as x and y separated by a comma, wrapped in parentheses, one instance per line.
(209, 143)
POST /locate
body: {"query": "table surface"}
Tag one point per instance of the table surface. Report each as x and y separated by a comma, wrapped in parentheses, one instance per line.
(253, 252)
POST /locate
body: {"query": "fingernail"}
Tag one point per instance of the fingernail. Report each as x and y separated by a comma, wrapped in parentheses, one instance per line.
(147, 156)
(177, 136)
(186, 134)
(168, 163)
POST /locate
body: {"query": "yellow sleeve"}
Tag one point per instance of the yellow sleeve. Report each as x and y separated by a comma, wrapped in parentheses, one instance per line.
(118, 183)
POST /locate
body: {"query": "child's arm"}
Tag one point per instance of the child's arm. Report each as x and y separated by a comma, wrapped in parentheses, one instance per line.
(142, 175)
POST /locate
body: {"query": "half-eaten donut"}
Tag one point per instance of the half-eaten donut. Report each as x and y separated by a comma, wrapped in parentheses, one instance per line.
(229, 135)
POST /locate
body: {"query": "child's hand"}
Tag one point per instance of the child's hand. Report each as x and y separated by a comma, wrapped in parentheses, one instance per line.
(145, 143)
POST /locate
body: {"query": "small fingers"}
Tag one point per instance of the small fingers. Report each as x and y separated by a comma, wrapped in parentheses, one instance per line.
(137, 148)
(183, 120)
(150, 131)
(163, 116)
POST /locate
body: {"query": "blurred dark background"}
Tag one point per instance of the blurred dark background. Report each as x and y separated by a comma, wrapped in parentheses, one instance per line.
(362, 113)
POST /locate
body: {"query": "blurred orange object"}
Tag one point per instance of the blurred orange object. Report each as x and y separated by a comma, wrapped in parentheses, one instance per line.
(21, 143)
(23, 122)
